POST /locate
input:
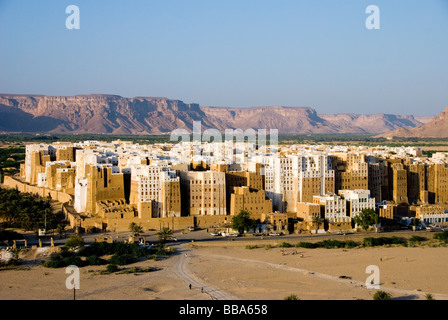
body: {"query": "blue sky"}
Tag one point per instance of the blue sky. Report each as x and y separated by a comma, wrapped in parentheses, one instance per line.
(315, 53)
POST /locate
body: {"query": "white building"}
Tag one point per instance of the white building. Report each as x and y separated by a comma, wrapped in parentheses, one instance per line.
(357, 200)
(334, 206)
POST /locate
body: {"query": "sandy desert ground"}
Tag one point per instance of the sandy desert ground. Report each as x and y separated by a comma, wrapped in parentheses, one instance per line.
(227, 270)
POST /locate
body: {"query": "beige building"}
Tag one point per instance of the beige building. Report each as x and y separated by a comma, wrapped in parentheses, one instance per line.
(158, 185)
(378, 181)
(60, 176)
(416, 181)
(399, 184)
(438, 183)
(431, 214)
(251, 200)
(100, 183)
(387, 209)
(307, 210)
(36, 158)
(204, 192)
(351, 171)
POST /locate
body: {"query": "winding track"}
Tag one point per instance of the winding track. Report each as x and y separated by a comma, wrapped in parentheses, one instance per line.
(181, 269)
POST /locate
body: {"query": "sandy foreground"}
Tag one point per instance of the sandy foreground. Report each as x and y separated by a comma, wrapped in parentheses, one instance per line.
(227, 270)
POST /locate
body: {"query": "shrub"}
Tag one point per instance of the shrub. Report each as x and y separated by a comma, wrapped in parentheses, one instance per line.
(54, 263)
(138, 270)
(306, 245)
(65, 252)
(268, 246)
(330, 244)
(123, 259)
(251, 246)
(74, 242)
(152, 257)
(351, 244)
(112, 268)
(442, 236)
(382, 295)
(161, 252)
(284, 245)
(292, 297)
(98, 249)
(381, 241)
(417, 239)
(104, 248)
(73, 261)
(429, 296)
(95, 261)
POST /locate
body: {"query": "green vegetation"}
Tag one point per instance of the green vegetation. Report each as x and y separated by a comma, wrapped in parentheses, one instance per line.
(10, 160)
(284, 245)
(123, 259)
(442, 236)
(367, 242)
(268, 246)
(119, 248)
(136, 270)
(329, 244)
(317, 221)
(251, 246)
(367, 218)
(381, 241)
(429, 296)
(136, 229)
(95, 261)
(27, 211)
(121, 254)
(341, 139)
(74, 242)
(416, 240)
(382, 295)
(112, 268)
(292, 297)
(49, 138)
(163, 236)
(242, 221)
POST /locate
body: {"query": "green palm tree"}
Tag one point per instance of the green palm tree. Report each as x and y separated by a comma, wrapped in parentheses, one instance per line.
(317, 220)
(136, 229)
(164, 234)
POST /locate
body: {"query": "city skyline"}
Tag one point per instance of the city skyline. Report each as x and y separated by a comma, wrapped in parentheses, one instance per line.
(233, 54)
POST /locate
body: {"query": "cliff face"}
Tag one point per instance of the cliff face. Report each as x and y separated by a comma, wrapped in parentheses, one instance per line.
(150, 115)
(436, 128)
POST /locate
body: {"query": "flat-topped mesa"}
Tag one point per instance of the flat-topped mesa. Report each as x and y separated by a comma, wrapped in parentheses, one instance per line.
(107, 113)
(436, 128)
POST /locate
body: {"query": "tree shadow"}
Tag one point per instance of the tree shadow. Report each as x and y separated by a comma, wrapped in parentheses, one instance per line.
(407, 297)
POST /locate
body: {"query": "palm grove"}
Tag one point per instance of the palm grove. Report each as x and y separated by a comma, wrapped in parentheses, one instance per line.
(28, 212)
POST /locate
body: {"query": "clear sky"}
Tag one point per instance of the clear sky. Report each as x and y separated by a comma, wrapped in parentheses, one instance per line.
(237, 53)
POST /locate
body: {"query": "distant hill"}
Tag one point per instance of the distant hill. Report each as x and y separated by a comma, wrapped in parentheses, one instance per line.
(114, 114)
(436, 128)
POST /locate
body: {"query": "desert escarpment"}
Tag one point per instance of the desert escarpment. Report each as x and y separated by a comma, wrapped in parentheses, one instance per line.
(113, 114)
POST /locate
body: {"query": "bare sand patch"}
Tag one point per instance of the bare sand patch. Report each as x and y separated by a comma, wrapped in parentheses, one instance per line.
(415, 271)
